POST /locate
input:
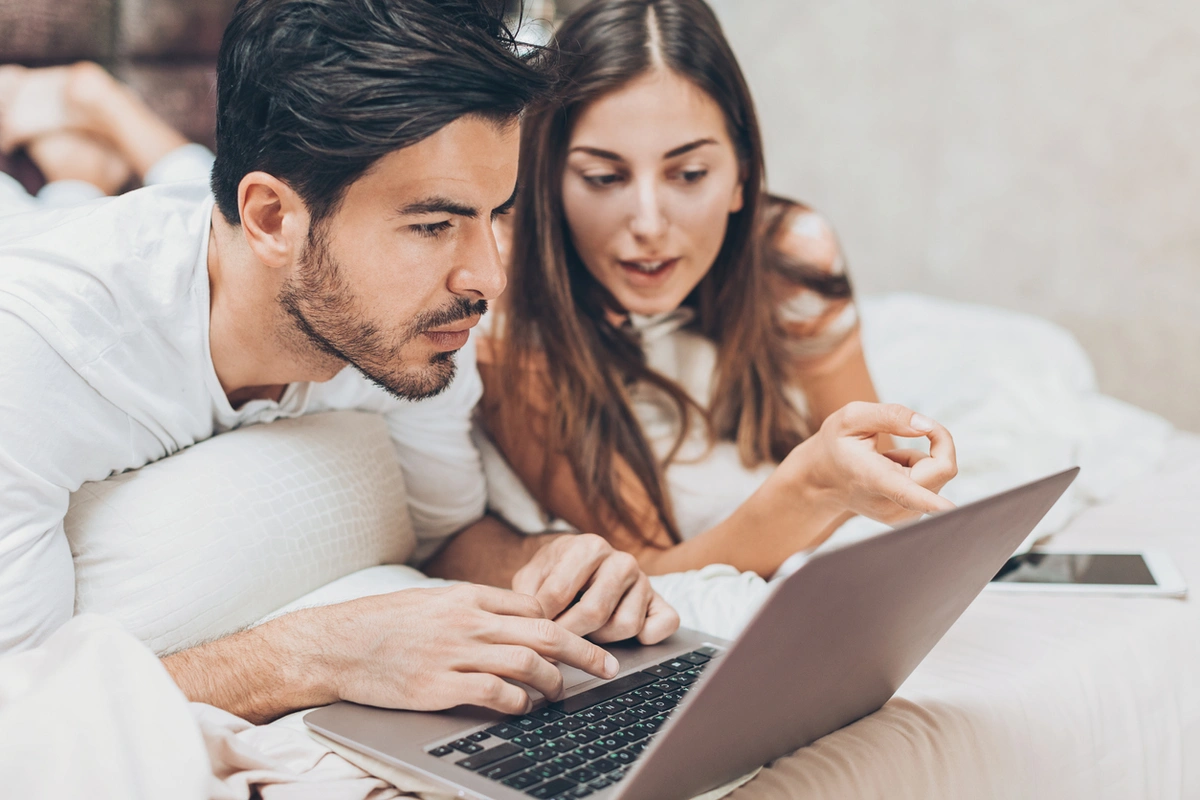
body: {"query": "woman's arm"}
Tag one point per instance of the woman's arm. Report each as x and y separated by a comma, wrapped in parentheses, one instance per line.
(835, 472)
(823, 333)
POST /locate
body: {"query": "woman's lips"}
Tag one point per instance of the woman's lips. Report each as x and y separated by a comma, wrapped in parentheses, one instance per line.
(648, 273)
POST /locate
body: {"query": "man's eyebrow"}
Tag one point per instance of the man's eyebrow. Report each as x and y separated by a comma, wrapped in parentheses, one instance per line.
(438, 205)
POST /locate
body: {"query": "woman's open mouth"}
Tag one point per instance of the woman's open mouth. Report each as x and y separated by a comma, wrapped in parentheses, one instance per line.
(646, 272)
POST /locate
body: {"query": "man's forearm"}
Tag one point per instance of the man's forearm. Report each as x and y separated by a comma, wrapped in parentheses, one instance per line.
(488, 552)
(261, 673)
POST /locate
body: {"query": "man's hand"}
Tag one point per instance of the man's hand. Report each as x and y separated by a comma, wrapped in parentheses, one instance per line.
(841, 466)
(617, 601)
(419, 649)
(429, 649)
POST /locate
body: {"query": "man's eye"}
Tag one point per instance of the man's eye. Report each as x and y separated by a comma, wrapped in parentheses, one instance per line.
(607, 179)
(432, 229)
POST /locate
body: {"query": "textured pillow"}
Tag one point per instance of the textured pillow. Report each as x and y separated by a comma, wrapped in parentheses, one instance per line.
(213, 538)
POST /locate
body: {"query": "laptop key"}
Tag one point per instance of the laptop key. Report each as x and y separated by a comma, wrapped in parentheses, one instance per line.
(623, 720)
(547, 715)
(581, 736)
(695, 658)
(466, 747)
(574, 723)
(603, 728)
(551, 731)
(506, 768)
(665, 687)
(579, 791)
(527, 740)
(659, 672)
(603, 765)
(609, 708)
(624, 757)
(707, 651)
(628, 701)
(522, 781)
(504, 731)
(590, 752)
(497, 753)
(527, 723)
(540, 753)
(644, 712)
(608, 743)
(584, 775)
(675, 665)
(606, 691)
(444, 750)
(570, 760)
(603, 783)
(552, 789)
(481, 736)
(547, 771)
(647, 692)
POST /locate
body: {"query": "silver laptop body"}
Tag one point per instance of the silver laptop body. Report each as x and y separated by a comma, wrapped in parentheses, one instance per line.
(831, 645)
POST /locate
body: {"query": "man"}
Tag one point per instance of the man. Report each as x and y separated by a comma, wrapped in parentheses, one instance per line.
(364, 148)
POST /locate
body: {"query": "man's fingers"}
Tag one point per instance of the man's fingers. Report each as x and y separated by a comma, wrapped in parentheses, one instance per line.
(555, 643)
(612, 580)
(490, 691)
(502, 601)
(661, 621)
(519, 664)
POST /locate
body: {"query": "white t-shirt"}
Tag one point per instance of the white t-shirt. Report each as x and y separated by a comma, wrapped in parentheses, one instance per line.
(105, 367)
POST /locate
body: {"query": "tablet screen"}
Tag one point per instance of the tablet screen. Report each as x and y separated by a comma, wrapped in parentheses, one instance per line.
(1123, 569)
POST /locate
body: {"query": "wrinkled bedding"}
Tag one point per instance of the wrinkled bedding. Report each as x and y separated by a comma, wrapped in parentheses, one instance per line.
(1025, 697)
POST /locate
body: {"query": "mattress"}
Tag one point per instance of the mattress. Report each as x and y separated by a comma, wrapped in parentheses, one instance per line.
(1043, 696)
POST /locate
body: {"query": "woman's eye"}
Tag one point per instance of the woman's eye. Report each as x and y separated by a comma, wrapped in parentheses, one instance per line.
(432, 229)
(606, 179)
(693, 175)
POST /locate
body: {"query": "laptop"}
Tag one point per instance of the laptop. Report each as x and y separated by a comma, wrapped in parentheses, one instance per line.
(831, 645)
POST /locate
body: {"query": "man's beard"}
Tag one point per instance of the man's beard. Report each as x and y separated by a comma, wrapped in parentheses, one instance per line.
(327, 316)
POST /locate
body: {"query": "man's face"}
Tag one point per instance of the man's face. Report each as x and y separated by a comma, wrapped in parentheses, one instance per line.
(393, 281)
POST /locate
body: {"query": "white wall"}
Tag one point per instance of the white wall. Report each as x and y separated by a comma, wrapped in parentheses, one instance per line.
(1043, 156)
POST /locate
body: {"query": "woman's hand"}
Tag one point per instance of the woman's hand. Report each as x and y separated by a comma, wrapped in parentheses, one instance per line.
(841, 470)
(592, 589)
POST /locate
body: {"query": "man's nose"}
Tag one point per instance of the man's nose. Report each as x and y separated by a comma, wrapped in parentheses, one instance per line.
(483, 275)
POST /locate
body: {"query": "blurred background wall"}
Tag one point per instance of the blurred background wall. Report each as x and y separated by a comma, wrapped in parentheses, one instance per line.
(1042, 155)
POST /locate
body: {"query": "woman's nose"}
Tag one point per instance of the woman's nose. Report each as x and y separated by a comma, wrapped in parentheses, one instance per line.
(648, 221)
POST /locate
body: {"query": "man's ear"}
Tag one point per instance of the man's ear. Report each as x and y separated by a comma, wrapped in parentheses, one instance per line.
(274, 219)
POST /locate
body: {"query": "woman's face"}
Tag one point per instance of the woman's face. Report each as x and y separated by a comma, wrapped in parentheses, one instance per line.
(650, 181)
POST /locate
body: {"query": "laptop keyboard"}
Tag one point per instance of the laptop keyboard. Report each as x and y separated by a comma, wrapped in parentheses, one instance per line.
(586, 742)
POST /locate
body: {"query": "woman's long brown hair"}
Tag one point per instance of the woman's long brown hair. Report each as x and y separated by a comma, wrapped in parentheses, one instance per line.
(554, 322)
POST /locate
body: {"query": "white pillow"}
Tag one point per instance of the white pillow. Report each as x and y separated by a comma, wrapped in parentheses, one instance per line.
(216, 537)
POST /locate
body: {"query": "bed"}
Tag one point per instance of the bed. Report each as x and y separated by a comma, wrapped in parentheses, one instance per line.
(1025, 697)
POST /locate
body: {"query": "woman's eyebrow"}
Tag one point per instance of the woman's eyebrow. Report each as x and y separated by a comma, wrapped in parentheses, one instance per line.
(608, 155)
(689, 147)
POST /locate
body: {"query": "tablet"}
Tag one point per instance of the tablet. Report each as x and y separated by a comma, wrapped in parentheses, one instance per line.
(1145, 573)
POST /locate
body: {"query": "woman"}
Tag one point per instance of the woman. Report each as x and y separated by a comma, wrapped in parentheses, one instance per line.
(670, 364)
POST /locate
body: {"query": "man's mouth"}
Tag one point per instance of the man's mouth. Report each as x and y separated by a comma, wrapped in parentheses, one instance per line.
(454, 336)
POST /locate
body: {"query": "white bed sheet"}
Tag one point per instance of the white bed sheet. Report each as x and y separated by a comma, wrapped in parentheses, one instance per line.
(1039, 696)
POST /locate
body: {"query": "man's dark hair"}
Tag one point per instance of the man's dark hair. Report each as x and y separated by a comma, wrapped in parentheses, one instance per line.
(315, 91)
